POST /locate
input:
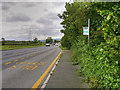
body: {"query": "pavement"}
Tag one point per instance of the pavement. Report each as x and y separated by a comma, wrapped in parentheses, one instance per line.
(65, 75)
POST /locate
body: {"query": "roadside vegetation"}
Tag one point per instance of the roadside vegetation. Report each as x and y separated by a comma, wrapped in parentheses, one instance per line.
(11, 45)
(63, 48)
(98, 61)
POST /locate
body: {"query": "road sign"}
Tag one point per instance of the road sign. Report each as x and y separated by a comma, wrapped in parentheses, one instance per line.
(85, 30)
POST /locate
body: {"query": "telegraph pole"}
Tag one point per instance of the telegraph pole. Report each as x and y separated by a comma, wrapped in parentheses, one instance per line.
(30, 34)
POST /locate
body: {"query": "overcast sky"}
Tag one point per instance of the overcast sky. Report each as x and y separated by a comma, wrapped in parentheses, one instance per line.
(18, 18)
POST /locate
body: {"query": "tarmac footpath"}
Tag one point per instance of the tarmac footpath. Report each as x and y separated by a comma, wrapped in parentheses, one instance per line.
(65, 75)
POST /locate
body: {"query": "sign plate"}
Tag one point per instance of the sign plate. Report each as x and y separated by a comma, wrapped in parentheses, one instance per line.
(85, 30)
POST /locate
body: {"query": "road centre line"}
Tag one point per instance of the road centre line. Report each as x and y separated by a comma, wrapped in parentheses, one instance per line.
(15, 60)
(8, 63)
(34, 67)
(35, 54)
(26, 57)
(38, 82)
(27, 65)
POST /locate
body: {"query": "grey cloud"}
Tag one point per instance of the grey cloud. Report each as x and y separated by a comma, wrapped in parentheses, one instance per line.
(29, 4)
(45, 10)
(16, 31)
(16, 34)
(17, 37)
(47, 22)
(50, 30)
(45, 32)
(37, 30)
(49, 19)
(32, 4)
(18, 18)
(53, 16)
(44, 20)
(58, 3)
(7, 5)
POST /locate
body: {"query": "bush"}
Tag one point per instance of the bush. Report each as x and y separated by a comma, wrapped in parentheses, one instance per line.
(99, 61)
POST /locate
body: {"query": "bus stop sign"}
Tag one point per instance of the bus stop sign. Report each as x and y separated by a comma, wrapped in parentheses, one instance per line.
(85, 30)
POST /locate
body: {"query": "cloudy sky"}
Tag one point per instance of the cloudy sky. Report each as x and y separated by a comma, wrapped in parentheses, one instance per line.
(19, 19)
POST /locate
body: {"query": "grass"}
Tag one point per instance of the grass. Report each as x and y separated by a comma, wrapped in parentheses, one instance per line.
(13, 47)
(63, 48)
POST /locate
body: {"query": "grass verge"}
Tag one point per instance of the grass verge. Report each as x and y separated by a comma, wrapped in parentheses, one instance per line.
(63, 48)
(13, 47)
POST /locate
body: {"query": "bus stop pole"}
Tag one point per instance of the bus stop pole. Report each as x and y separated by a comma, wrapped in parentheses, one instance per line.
(89, 32)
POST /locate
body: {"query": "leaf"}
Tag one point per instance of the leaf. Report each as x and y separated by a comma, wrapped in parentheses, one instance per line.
(116, 20)
(109, 16)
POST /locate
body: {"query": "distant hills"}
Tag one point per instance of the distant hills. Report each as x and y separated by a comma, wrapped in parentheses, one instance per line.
(57, 39)
(53, 39)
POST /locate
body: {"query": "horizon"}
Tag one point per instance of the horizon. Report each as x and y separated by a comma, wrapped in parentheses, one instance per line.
(32, 39)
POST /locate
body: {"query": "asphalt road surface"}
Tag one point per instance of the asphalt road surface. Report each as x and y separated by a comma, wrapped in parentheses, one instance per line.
(21, 68)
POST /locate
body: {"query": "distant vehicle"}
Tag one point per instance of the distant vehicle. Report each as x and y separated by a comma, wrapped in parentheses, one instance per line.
(56, 44)
(47, 45)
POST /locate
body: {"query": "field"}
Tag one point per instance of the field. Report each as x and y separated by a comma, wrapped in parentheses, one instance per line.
(12, 47)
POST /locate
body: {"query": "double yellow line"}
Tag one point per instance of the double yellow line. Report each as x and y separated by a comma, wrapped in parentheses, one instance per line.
(38, 82)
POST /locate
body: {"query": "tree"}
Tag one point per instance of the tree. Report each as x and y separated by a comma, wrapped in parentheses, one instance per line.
(35, 40)
(100, 60)
(65, 42)
(55, 41)
(3, 41)
(49, 40)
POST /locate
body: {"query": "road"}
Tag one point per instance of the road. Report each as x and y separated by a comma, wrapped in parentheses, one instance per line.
(21, 68)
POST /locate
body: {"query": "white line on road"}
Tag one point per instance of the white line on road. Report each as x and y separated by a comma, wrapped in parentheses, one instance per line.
(47, 79)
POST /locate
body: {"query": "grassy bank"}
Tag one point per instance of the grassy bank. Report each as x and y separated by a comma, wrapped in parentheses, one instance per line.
(13, 47)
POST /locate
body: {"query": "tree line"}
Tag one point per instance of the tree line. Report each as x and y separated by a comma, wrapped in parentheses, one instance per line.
(50, 40)
(35, 41)
(99, 62)
(13, 42)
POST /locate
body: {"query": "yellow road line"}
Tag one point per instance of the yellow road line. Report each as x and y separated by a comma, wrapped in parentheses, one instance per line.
(35, 62)
(14, 66)
(34, 67)
(8, 63)
(21, 63)
(15, 60)
(37, 83)
(20, 67)
(22, 58)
